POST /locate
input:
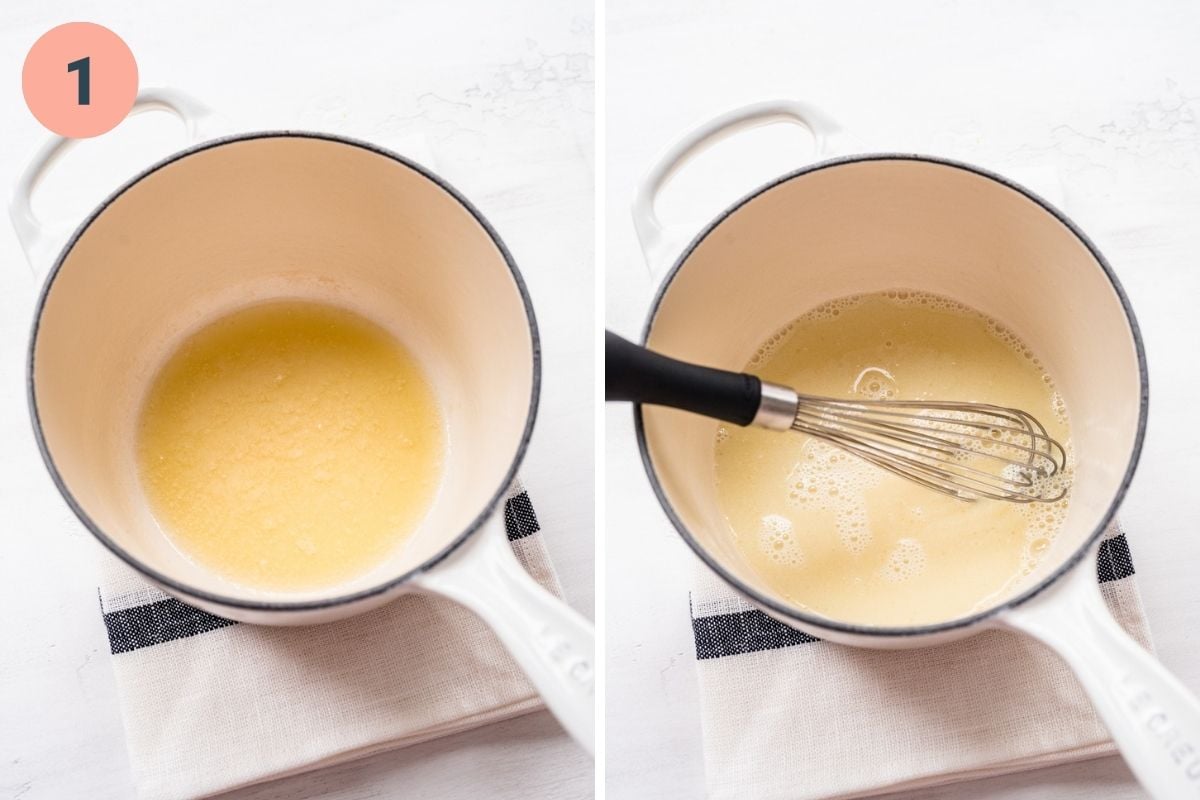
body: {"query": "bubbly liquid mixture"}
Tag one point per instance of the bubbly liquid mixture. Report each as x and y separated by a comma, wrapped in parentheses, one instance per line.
(853, 542)
(290, 445)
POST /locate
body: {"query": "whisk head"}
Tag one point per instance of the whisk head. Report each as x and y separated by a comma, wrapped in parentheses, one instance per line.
(966, 450)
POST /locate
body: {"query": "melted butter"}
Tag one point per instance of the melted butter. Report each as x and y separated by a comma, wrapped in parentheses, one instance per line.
(290, 445)
(841, 537)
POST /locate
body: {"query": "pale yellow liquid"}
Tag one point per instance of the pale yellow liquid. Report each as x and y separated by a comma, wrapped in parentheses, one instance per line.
(843, 538)
(290, 445)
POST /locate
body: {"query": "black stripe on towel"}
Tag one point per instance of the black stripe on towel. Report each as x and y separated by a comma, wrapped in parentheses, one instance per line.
(1115, 561)
(157, 622)
(519, 519)
(167, 620)
(751, 631)
(743, 632)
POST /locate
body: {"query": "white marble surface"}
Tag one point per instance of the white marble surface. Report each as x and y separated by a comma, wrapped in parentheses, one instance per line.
(1106, 93)
(503, 95)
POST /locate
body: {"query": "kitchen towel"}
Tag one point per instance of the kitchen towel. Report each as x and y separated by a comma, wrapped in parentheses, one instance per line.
(788, 716)
(210, 705)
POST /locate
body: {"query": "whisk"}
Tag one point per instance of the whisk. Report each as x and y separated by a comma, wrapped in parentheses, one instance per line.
(966, 450)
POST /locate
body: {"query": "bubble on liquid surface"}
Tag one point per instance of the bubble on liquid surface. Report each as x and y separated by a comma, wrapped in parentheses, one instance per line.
(906, 560)
(1043, 520)
(832, 309)
(768, 348)
(778, 541)
(910, 297)
(1059, 407)
(876, 383)
(722, 434)
(827, 479)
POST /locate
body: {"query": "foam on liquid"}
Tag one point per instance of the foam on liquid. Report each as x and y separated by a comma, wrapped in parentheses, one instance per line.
(289, 445)
(848, 540)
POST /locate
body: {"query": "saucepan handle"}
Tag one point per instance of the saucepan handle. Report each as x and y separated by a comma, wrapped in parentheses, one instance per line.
(42, 242)
(552, 642)
(661, 244)
(1153, 718)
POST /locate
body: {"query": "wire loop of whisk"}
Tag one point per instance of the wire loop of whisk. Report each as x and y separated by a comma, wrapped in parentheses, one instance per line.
(970, 451)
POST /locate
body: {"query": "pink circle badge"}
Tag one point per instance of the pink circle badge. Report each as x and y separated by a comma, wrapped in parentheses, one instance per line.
(79, 79)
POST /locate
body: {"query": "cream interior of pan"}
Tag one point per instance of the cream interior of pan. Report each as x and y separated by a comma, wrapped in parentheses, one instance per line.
(270, 218)
(872, 226)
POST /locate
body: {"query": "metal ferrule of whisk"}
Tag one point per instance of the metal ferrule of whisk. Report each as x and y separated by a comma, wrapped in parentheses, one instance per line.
(967, 450)
(777, 408)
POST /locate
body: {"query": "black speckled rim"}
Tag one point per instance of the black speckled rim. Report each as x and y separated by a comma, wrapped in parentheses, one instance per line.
(812, 622)
(281, 605)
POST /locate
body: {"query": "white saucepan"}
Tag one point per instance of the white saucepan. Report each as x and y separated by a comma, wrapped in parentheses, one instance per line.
(864, 223)
(237, 220)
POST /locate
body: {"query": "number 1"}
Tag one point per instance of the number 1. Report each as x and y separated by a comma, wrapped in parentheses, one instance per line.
(84, 67)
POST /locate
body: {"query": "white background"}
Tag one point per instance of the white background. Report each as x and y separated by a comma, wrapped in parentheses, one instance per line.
(1106, 93)
(502, 92)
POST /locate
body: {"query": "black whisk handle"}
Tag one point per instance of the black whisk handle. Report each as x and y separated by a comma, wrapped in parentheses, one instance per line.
(639, 375)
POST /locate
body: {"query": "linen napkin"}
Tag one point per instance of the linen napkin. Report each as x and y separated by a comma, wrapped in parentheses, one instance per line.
(210, 705)
(788, 716)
